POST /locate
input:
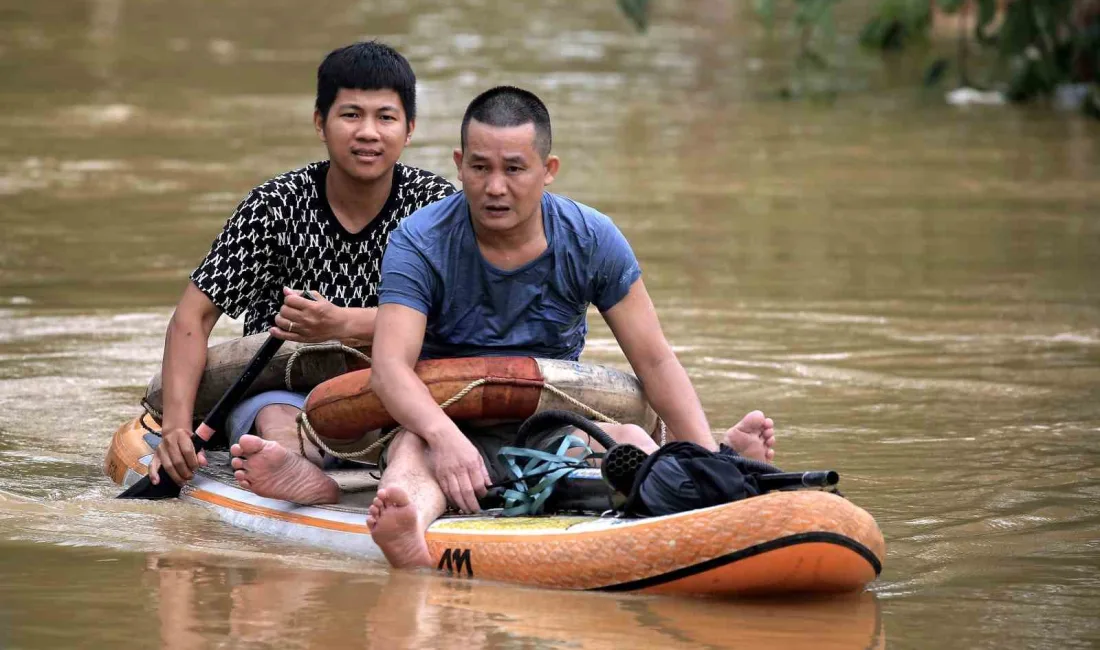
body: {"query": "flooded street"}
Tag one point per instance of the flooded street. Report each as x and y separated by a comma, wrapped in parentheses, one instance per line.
(911, 290)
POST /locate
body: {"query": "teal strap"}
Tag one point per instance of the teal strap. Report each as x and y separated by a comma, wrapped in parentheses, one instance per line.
(523, 499)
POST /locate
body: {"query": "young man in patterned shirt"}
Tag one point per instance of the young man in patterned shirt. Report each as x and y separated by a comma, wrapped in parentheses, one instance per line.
(323, 227)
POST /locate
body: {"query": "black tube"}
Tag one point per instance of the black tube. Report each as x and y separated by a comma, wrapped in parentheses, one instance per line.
(788, 480)
(548, 419)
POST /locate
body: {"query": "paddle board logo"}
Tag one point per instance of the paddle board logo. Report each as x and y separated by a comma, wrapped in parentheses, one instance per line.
(454, 560)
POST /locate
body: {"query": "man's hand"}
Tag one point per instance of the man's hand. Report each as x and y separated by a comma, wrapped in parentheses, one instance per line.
(177, 455)
(302, 320)
(460, 471)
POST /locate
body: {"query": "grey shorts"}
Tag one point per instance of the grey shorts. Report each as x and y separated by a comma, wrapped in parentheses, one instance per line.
(489, 439)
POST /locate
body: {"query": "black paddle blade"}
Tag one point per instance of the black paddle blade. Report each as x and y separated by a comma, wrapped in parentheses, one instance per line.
(166, 489)
(144, 489)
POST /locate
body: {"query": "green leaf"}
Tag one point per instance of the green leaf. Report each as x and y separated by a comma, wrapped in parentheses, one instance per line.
(825, 20)
(812, 12)
(637, 11)
(987, 11)
(934, 74)
(873, 34)
(811, 60)
(950, 6)
(765, 9)
(1017, 32)
(1091, 107)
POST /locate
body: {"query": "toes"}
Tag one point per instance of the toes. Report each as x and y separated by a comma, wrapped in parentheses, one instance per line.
(241, 476)
(236, 450)
(396, 497)
(237, 463)
(250, 444)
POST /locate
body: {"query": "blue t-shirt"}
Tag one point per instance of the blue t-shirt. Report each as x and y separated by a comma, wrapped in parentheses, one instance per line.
(433, 265)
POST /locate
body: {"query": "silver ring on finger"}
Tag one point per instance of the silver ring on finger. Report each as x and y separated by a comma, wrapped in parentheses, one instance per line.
(290, 328)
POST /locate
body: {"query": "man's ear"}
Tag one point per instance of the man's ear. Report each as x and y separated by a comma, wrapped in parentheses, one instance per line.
(458, 161)
(409, 135)
(319, 125)
(553, 165)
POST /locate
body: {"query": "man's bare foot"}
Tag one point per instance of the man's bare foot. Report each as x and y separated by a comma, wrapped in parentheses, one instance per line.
(269, 470)
(753, 437)
(394, 526)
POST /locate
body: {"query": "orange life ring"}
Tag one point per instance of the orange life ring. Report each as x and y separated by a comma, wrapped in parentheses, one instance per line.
(345, 409)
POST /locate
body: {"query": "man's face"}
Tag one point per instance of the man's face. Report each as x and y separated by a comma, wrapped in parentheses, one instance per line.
(503, 174)
(365, 132)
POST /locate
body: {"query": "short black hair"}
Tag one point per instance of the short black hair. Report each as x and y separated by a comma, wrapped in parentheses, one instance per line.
(367, 65)
(511, 106)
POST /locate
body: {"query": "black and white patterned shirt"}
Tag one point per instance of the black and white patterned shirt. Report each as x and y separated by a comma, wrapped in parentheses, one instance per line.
(284, 233)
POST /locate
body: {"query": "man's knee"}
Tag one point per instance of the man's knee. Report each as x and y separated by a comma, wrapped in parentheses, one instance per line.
(625, 432)
(631, 434)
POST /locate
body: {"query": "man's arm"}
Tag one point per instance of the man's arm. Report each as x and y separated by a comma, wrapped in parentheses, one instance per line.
(399, 337)
(184, 361)
(633, 321)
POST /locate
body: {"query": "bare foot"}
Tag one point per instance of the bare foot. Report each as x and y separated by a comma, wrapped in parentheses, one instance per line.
(269, 470)
(753, 437)
(394, 526)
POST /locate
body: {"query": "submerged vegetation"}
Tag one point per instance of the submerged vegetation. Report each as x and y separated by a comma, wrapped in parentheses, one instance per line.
(1021, 50)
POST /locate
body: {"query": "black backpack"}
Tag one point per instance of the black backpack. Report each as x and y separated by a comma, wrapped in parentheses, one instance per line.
(683, 476)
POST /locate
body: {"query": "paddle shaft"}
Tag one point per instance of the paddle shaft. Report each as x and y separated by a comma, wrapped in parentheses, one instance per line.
(215, 419)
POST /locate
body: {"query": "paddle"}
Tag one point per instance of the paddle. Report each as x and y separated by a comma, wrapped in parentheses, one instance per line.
(166, 488)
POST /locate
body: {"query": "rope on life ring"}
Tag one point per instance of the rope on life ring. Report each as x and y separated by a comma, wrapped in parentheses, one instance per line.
(319, 347)
(306, 432)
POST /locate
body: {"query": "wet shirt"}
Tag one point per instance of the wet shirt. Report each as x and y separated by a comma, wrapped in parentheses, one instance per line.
(284, 233)
(433, 265)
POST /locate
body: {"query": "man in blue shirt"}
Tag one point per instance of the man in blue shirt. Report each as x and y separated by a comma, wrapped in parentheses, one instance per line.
(505, 268)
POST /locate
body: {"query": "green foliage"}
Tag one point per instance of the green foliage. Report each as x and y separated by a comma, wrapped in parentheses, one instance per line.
(896, 24)
(813, 23)
(1044, 44)
(1040, 45)
(637, 11)
(987, 11)
(765, 10)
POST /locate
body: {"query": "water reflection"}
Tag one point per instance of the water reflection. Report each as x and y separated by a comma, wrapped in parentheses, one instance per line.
(264, 605)
(104, 22)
